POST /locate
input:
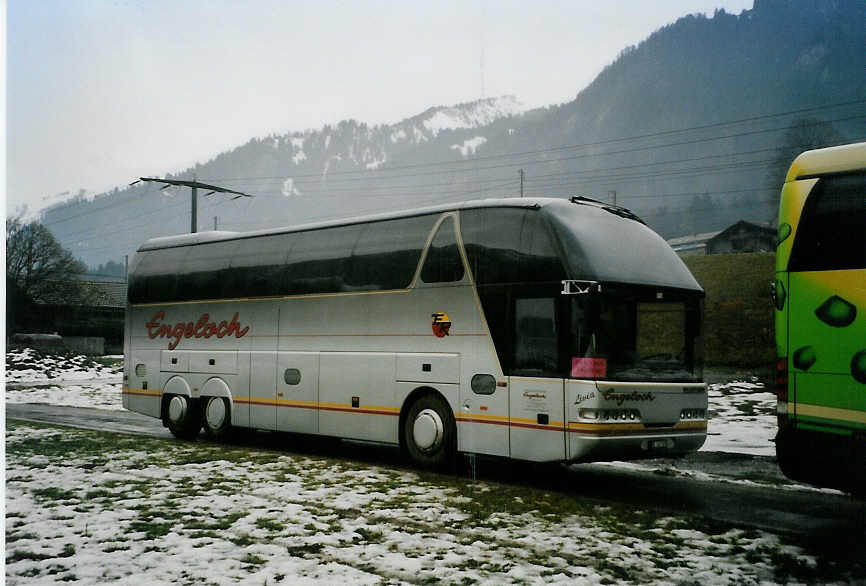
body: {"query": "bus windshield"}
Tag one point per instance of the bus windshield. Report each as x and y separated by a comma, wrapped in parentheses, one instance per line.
(636, 334)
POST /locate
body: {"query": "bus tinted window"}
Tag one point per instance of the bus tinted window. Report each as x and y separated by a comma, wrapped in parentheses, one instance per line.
(319, 259)
(535, 350)
(537, 244)
(509, 245)
(831, 234)
(387, 253)
(155, 275)
(203, 271)
(443, 263)
(258, 266)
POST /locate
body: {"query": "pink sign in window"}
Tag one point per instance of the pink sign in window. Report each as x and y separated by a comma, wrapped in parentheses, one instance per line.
(588, 367)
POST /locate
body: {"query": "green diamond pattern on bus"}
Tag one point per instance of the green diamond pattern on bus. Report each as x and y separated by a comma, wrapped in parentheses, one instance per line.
(836, 312)
(805, 357)
(780, 295)
(858, 367)
(784, 232)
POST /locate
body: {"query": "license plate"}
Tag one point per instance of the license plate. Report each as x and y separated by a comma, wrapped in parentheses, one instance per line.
(658, 444)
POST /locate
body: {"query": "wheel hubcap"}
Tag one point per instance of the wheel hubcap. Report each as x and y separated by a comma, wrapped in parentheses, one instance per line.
(215, 413)
(177, 409)
(428, 430)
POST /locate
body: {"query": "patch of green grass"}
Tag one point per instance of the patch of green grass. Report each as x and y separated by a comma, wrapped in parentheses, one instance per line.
(252, 559)
(20, 554)
(56, 569)
(369, 535)
(151, 529)
(12, 536)
(68, 551)
(305, 549)
(31, 573)
(268, 524)
(214, 524)
(54, 494)
(116, 547)
(242, 540)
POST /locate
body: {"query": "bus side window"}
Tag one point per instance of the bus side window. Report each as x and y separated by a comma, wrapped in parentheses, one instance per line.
(443, 263)
(258, 266)
(509, 246)
(204, 271)
(387, 253)
(535, 337)
(318, 259)
(831, 234)
(155, 276)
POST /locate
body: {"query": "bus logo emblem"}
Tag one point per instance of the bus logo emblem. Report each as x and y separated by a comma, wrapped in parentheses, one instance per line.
(441, 324)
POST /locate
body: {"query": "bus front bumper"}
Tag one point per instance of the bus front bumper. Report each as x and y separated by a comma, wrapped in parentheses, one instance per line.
(588, 447)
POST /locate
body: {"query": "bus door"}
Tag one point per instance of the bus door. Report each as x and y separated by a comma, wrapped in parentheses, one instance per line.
(536, 390)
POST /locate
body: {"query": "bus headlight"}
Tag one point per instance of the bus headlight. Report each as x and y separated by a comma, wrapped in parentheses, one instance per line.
(618, 415)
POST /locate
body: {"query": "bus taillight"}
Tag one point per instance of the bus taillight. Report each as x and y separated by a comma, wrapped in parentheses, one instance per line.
(782, 380)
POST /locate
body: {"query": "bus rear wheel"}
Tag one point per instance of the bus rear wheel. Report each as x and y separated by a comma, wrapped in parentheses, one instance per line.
(182, 417)
(429, 432)
(217, 417)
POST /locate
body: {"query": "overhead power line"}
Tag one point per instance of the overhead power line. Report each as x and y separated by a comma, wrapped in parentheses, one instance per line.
(194, 187)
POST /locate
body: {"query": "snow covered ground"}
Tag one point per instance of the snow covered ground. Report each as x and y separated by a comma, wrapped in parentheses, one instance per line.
(87, 507)
(90, 507)
(74, 380)
(742, 418)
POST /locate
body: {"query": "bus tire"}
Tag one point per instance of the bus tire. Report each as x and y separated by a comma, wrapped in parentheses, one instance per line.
(429, 432)
(216, 417)
(182, 417)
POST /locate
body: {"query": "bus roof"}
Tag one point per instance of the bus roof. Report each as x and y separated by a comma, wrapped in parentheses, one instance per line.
(838, 159)
(213, 236)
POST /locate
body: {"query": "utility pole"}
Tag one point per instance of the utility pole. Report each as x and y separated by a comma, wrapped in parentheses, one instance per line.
(521, 182)
(612, 196)
(193, 227)
(214, 223)
(193, 185)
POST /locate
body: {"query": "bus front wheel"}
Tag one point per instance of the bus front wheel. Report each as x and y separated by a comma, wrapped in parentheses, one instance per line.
(429, 432)
(182, 417)
(217, 417)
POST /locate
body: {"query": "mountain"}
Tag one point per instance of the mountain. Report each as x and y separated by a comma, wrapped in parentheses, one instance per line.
(691, 128)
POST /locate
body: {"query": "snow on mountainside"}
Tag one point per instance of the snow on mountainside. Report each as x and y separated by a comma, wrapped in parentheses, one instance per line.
(472, 115)
(430, 123)
(351, 145)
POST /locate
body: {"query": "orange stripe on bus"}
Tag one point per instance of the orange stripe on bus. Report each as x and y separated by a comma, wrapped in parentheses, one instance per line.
(320, 407)
(144, 392)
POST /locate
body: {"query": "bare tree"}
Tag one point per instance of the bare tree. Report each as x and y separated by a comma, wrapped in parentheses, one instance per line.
(38, 268)
(806, 134)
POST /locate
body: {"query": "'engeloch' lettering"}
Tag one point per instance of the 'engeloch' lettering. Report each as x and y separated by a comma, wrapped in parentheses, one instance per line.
(203, 328)
(620, 398)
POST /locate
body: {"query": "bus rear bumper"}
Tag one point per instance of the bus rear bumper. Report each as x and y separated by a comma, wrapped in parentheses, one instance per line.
(605, 448)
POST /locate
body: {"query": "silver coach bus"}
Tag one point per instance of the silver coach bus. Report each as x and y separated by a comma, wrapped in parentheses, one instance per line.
(537, 329)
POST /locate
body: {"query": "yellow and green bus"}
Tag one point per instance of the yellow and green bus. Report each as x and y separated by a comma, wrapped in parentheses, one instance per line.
(820, 298)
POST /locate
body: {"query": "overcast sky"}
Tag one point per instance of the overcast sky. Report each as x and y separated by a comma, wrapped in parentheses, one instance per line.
(101, 92)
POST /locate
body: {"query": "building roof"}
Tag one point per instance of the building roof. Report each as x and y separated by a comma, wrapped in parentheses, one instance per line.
(752, 226)
(107, 294)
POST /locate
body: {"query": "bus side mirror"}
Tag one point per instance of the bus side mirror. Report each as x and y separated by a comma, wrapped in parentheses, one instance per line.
(575, 287)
